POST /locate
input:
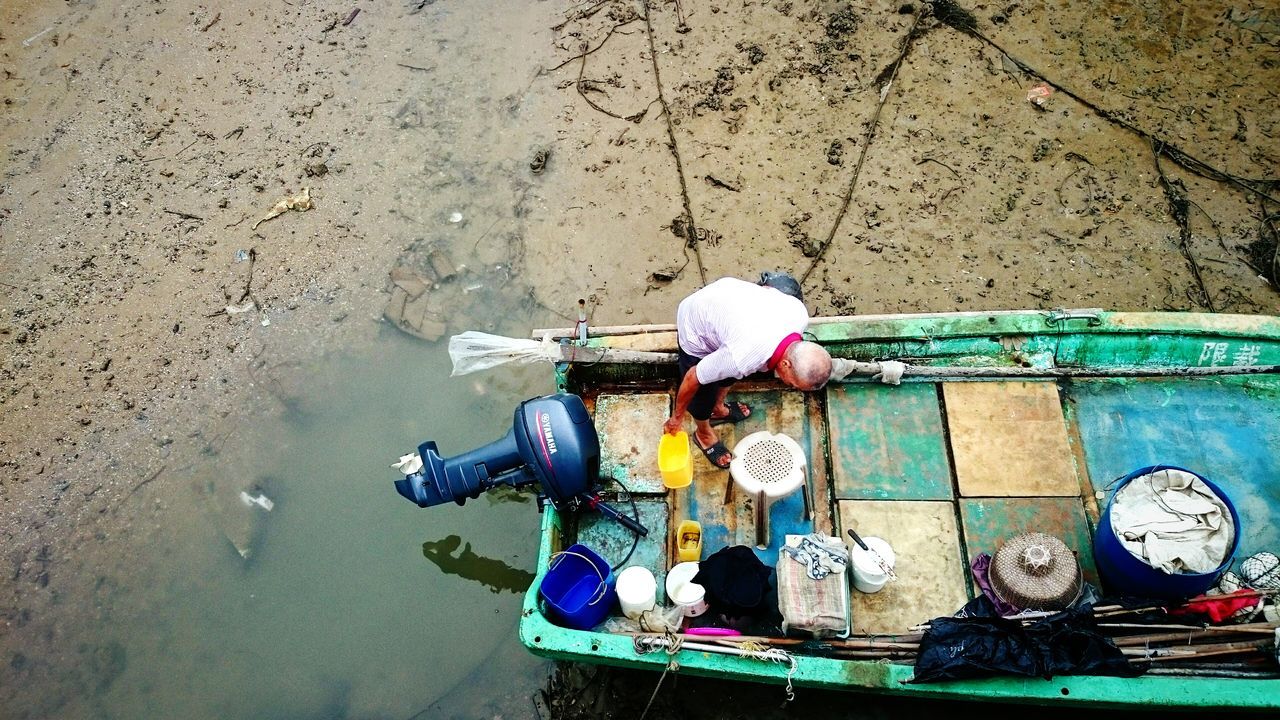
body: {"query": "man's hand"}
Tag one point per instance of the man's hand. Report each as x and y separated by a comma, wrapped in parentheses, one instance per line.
(674, 424)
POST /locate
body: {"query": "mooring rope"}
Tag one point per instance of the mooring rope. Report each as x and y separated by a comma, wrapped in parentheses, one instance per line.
(645, 644)
(672, 644)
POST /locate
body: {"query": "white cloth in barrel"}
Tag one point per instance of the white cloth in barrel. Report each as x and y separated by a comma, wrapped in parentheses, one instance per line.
(1173, 521)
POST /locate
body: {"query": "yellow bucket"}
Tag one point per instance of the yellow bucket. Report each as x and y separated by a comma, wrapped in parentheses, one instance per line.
(689, 541)
(674, 461)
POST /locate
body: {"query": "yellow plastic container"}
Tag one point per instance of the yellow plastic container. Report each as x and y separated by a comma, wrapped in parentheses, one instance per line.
(689, 541)
(674, 460)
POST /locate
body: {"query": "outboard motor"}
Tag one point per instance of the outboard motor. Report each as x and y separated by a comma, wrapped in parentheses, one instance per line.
(552, 444)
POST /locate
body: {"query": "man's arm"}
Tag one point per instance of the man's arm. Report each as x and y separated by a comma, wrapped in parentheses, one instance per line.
(684, 395)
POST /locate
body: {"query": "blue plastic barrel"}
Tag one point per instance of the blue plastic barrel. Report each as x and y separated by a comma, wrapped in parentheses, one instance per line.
(1124, 573)
(577, 589)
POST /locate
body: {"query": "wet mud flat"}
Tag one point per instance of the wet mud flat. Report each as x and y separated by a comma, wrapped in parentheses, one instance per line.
(483, 168)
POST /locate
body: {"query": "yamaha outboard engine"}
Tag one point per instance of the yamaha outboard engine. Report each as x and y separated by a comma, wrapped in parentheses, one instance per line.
(552, 443)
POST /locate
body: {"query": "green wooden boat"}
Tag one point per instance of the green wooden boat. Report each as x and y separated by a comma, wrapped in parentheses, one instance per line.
(1005, 422)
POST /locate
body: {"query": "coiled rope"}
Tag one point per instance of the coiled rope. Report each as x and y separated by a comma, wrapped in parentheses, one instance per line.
(673, 644)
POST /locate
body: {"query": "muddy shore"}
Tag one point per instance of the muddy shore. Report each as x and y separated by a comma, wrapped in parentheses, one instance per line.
(902, 157)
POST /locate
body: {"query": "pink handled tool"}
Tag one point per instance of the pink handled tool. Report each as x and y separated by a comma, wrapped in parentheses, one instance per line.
(711, 631)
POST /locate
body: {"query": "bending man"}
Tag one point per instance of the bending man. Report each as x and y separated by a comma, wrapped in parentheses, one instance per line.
(731, 329)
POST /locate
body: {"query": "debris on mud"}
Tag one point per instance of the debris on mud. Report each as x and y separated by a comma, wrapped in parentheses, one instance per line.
(952, 15)
(842, 22)
(410, 307)
(539, 161)
(682, 227)
(799, 238)
(1039, 94)
(300, 202)
(835, 153)
(755, 55)
(716, 90)
(720, 182)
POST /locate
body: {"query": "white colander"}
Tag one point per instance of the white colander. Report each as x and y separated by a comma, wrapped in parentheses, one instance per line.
(768, 463)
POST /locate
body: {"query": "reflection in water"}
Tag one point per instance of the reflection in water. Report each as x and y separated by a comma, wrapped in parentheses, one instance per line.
(506, 493)
(493, 574)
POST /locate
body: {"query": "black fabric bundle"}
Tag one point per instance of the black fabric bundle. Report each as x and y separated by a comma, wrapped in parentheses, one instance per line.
(1068, 643)
(737, 585)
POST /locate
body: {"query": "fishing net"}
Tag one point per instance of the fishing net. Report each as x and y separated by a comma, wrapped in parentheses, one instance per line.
(1261, 571)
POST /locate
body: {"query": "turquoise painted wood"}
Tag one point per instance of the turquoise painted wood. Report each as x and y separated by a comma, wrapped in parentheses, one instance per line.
(612, 541)
(1228, 430)
(988, 522)
(887, 443)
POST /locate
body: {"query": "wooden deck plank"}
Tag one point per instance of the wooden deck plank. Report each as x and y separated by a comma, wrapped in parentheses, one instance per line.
(1009, 439)
(989, 522)
(887, 443)
(932, 577)
(819, 475)
(630, 427)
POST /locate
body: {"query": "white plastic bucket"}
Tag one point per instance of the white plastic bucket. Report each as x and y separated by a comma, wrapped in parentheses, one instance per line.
(868, 576)
(683, 592)
(637, 591)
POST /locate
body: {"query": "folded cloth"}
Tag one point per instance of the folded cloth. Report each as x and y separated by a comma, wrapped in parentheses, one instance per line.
(981, 567)
(820, 555)
(814, 604)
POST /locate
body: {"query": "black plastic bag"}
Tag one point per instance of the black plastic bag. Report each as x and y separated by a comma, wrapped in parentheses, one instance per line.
(737, 585)
(978, 647)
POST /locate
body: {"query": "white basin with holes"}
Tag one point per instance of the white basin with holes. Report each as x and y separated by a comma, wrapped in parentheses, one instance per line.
(769, 463)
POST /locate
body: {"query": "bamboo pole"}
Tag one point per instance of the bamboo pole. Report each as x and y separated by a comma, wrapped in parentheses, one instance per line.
(610, 330)
(591, 355)
(875, 654)
(1262, 628)
(867, 369)
(1190, 636)
(1197, 651)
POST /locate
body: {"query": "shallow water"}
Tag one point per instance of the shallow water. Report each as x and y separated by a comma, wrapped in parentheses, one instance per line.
(338, 611)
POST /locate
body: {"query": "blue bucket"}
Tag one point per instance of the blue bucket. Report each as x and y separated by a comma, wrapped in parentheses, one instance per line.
(1124, 573)
(577, 588)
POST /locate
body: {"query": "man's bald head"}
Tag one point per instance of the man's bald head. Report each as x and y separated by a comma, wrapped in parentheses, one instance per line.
(805, 366)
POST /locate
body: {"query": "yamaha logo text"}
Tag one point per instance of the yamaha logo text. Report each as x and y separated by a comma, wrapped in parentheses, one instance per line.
(548, 437)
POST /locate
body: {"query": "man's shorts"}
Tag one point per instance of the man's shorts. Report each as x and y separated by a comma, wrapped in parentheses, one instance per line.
(704, 401)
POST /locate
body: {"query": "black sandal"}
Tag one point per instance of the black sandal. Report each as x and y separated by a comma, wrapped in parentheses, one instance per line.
(738, 411)
(715, 453)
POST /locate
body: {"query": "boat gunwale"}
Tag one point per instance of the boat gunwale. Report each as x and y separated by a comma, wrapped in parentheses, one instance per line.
(969, 324)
